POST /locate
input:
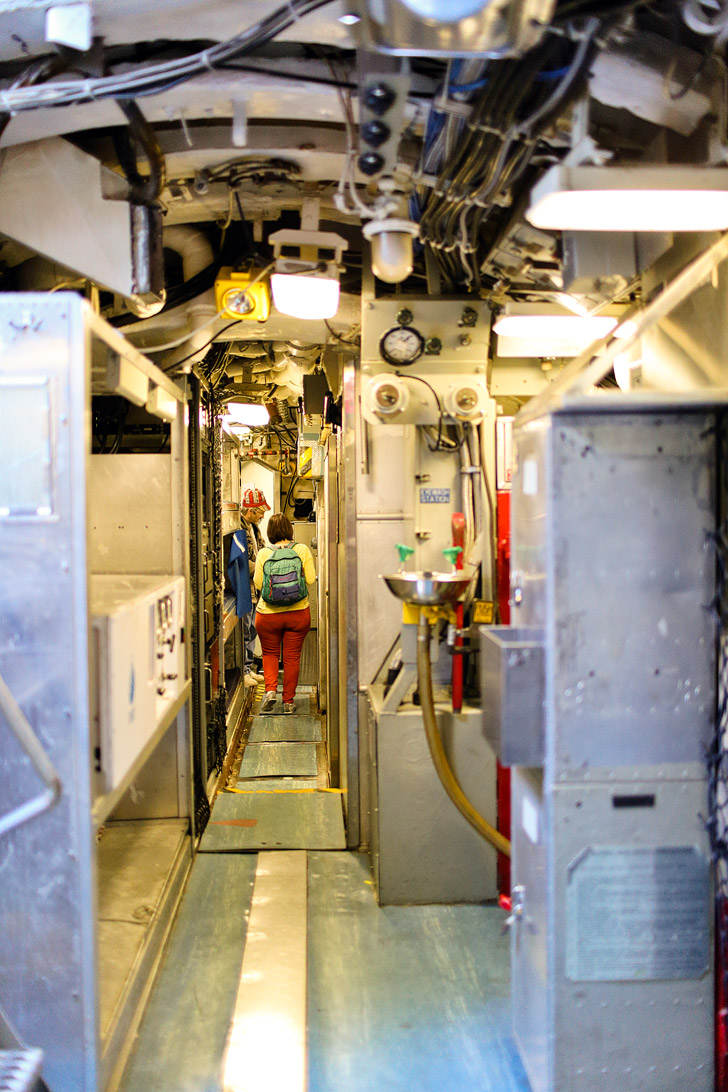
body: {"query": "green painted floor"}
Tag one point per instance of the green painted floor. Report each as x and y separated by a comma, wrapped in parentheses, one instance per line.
(182, 1037)
(400, 999)
(404, 998)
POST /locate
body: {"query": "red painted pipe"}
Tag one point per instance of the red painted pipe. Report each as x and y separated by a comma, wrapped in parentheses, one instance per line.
(503, 565)
(458, 539)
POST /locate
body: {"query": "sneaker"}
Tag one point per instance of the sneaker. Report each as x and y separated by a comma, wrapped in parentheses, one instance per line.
(268, 701)
(250, 680)
(255, 675)
(289, 707)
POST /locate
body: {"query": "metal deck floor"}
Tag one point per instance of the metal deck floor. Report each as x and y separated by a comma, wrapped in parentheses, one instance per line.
(404, 998)
(181, 1040)
(400, 999)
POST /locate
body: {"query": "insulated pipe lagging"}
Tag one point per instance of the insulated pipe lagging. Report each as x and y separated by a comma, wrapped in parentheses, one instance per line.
(437, 753)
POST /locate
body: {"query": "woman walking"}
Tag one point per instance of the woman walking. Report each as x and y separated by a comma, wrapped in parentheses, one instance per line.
(283, 575)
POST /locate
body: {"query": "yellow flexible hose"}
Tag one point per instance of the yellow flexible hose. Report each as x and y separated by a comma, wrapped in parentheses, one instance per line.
(439, 758)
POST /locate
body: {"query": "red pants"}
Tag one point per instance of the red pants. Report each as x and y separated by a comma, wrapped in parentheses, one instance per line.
(287, 628)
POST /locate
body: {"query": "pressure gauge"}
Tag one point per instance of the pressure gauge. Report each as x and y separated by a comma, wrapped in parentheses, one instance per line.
(401, 346)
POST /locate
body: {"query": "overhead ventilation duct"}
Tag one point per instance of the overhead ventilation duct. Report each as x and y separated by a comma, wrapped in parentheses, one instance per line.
(461, 28)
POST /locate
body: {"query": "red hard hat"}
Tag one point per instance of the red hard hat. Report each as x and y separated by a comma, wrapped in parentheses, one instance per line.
(254, 498)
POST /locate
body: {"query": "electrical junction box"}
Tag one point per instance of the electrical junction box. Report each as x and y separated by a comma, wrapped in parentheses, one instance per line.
(137, 665)
(238, 298)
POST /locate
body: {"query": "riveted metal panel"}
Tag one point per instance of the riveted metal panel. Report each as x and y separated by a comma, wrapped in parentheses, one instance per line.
(47, 947)
(652, 1031)
(633, 663)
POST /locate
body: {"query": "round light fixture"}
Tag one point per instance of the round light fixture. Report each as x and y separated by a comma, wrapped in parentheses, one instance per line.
(391, 241)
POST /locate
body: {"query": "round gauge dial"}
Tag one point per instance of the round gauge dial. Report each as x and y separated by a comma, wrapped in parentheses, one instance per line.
(402, 345)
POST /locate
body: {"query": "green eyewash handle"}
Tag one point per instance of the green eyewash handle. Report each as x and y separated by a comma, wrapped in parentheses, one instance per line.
(404, 552)
(451, 553)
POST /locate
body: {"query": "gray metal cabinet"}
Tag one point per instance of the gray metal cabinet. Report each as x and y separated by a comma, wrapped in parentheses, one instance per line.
(611, 564)
(86, 890)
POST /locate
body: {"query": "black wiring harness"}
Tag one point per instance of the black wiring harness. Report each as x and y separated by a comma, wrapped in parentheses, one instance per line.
(491, 151)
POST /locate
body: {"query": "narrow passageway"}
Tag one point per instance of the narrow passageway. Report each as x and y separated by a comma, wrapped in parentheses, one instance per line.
(410, 998)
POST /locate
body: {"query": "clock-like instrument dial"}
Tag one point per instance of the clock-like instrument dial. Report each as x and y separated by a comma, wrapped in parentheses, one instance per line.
(401, 346)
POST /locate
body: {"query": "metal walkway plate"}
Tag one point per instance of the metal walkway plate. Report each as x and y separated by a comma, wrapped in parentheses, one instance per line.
(279, 760)
(244, 823)
(278, 784)
(285, 729)
(181, 1038)
(19, 1070)
(304, 704)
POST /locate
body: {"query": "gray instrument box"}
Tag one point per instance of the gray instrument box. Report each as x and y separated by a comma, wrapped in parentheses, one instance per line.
(512, 683)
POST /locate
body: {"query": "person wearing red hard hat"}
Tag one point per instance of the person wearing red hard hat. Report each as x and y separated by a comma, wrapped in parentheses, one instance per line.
(254, 498)
(253, 507)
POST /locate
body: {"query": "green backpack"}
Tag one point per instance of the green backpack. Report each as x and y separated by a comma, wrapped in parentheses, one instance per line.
(283, 580)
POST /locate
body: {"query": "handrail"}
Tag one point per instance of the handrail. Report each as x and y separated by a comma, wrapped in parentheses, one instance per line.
(28, 740)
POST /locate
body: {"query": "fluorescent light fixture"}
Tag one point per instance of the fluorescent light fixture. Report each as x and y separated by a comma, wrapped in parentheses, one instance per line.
(661, 198)
(306, 295)
(248, 413)
(529, 329)
(305, 285)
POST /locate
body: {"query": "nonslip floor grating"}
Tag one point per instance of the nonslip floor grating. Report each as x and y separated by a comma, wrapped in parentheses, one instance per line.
(279, 760)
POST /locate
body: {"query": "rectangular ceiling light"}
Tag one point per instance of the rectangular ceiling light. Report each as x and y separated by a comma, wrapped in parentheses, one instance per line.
(315, 296)
(539, 330)
(661, 198)
(248, 413)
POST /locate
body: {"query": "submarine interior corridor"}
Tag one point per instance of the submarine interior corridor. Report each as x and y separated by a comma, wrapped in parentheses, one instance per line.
(363, 546)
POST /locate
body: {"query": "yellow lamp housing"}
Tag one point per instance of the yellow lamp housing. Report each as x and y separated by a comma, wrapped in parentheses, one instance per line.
(237, 298)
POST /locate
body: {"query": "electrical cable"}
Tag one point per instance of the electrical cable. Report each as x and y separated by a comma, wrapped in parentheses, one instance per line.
(440, 411)
(338, 337)
(183, 337)
(438, 403)
(495, 151)
(295, 478)
(159, 77)
(143, 190)
(201, 347)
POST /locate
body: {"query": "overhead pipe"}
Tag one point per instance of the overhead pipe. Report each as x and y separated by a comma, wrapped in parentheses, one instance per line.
(196, 253)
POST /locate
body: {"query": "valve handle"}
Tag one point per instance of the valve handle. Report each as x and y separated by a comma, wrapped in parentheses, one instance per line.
(404, 552)
(452, 553)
